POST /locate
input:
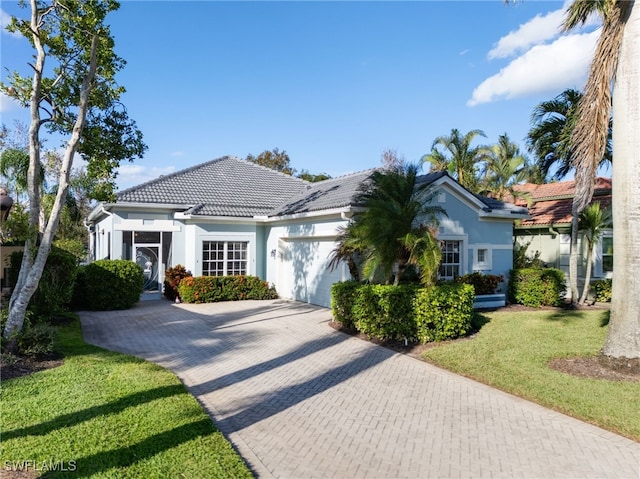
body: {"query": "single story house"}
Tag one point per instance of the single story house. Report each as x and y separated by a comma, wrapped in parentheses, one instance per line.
(548, 230)
(228, 216)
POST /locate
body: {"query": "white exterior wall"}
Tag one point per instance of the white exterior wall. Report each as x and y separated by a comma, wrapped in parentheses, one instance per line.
(297, 257)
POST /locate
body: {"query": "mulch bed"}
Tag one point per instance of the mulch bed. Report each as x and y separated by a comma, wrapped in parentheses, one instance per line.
(17, 366)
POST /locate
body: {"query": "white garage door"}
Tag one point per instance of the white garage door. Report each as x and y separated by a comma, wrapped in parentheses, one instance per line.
(302, 270)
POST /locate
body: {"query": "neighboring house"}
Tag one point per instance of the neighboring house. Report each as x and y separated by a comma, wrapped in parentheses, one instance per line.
(548, 230)
(229, 216)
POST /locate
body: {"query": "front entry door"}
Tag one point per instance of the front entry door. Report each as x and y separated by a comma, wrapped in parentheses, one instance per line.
(147, 257)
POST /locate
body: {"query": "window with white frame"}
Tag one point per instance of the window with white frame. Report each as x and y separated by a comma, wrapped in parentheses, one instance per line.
(224, 258)
(482, 259)
(450, 264)
(604, 256)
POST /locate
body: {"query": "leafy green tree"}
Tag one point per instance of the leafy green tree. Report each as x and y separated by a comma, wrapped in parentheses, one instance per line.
(75, 96)
(505, 167)
(396, 228)
(594, 220)
(312, 178)
(454, 154)
(274, 159)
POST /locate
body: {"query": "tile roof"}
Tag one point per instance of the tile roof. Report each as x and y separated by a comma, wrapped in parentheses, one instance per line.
(550, 204)
(328, 194)
(227, 186)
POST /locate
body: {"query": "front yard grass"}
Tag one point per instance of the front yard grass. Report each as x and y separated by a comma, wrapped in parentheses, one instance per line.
(512, 351)
(103, 414)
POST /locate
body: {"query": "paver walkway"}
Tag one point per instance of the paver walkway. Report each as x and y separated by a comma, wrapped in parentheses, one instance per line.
(301, 400)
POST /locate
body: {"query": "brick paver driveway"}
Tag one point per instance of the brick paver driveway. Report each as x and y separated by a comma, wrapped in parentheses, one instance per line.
(299, 399)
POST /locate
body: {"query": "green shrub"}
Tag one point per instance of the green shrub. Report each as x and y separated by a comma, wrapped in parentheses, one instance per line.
(342, 297)
(537, 287)
(172, 278)
(110, 284)
(79, 299)
(55, 289)
(602, 290)
(482, 283)
(385, 312)
(443, 312)
(34, 340)
(76, 247)
(211, 289)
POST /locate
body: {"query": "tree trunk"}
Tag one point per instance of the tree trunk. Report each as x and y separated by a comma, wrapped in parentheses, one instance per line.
(29, 277)
(573, 258)
(587, 274)
(623, 339)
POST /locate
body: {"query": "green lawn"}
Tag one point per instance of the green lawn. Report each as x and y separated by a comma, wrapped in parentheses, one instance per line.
(511, 353)
(110, 415)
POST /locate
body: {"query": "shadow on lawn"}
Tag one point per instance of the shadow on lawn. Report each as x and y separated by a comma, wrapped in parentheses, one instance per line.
(151, 446)
(72, 419)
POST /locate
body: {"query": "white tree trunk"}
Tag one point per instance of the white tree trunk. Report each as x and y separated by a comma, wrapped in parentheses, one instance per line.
(30, 275)
(573, 257)
(587, 274)
(623, 339)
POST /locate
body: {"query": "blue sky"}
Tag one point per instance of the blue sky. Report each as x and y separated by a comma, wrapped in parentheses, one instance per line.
(332, 83)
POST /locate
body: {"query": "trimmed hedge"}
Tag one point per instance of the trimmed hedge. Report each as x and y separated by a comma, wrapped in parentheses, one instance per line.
(537, 287)
(602, 290)
(482, 283)
(444, 312)
(211, 289)
(108, 284)
(342, 298)
(405, 311)
(55, 288)
(385, 312)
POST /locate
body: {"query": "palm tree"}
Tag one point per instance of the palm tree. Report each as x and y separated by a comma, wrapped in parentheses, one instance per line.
(397, 227)
(349, 248)
(593, 222)
(549, 138)
(505, 168)
(454, 154)
(616, 61)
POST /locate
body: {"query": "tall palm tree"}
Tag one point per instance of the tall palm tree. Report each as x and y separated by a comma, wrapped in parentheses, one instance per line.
(505, 168)
(616, 61)
(453, 153)
(397, 227)
(593, 222)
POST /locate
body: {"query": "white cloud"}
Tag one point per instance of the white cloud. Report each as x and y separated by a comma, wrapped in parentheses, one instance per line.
(544, 68)
(536, 31)
(131, 175)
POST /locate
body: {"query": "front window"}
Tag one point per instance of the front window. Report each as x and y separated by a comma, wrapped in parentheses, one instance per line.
(224, 258)
(450, 265)
(607, 254)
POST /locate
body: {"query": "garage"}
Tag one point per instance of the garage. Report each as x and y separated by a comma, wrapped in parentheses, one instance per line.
(302, 270)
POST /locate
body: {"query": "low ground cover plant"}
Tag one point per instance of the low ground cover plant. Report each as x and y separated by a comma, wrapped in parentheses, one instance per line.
(512, 352)
(103, 414)
(210, 289)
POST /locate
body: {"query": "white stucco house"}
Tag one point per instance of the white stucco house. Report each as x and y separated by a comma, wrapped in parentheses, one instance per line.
(228, 216)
